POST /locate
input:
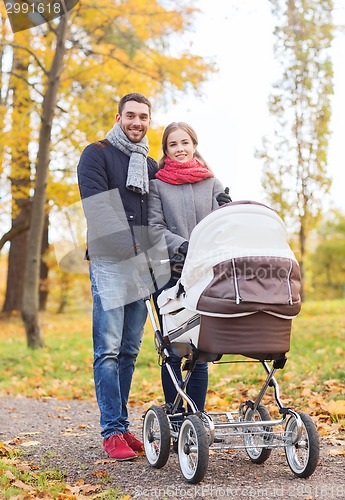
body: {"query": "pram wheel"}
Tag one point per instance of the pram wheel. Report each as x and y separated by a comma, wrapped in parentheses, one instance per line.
(255, 438)
(193, 444)
(156, 436)
(303, 455)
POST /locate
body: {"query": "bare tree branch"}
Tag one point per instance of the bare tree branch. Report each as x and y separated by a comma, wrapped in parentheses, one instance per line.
(13, 73)
(17, 229)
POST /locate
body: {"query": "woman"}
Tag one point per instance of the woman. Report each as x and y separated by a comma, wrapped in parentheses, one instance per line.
(182, 194)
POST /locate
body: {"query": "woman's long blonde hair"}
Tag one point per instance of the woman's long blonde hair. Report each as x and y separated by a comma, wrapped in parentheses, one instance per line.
(192, 134)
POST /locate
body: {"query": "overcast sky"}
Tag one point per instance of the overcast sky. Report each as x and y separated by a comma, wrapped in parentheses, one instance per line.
(231, 117)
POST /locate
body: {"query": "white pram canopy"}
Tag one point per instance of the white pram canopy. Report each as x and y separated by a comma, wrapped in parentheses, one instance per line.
(239, 265)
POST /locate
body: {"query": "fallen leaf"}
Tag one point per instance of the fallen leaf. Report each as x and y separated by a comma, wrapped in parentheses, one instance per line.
(83, 488)
(336, 407)
(23, 486)
(63, 417)
(105, 461)
(324, 429)
(75, 434)
(337, 452)
(89, 488)
(9, 475)
(100, 473)
(5, 449)
(29, 433)
(23, 467)
(27, 444)
(337, 442)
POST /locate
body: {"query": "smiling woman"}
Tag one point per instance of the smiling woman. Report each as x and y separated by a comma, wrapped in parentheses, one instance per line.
(184, 191)
(180, 146)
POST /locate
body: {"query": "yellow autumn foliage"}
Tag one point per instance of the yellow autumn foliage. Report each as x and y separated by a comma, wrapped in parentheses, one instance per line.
(113, 47)
(336, 408)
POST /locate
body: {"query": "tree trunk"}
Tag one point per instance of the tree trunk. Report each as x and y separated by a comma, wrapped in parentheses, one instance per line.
(16, 269)
(20, 177)
(30, 308)
(44, 288)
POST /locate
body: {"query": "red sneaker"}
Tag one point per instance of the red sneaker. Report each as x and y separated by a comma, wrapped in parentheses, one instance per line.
(117, 448)
(133, 442)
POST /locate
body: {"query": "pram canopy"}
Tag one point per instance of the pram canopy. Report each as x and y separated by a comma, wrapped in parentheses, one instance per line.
(242, 278)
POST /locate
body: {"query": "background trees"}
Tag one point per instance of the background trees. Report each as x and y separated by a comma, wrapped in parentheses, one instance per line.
(72, 73)
(327, 262)
(295, 169)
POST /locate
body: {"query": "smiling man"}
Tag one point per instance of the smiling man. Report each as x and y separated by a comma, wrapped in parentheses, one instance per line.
(134, 118)
(113, 177)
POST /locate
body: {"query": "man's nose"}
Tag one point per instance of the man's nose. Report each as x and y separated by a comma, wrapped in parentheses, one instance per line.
(136, 120)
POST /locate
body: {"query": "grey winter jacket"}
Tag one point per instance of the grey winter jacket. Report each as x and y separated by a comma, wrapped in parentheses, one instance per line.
(174, 210)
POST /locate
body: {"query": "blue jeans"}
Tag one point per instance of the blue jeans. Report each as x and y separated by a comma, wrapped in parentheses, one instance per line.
(198, 382)
(196, 387)
(117, 334)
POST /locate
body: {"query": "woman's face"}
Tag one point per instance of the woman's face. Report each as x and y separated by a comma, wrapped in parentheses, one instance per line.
(180, 146)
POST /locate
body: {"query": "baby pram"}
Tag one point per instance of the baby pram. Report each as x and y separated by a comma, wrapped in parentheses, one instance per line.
(238, 294)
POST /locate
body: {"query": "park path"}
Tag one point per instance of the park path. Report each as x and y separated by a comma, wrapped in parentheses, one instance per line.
(65, 435)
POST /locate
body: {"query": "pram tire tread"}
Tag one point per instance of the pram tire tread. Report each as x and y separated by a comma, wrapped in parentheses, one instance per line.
(309, 442)
(193, 449)
(156, 436)
(256, 455)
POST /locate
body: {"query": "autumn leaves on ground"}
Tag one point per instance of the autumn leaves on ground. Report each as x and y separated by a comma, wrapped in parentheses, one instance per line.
(313, 381)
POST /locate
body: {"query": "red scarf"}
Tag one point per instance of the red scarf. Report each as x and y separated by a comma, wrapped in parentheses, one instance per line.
(183, 172)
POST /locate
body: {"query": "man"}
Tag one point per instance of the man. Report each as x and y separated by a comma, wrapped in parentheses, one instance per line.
(113, 177)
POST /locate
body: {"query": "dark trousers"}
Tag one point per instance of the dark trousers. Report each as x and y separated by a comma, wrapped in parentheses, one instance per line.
(198, 382)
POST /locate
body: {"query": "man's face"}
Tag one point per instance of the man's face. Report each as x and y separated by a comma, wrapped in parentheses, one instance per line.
(134, 120)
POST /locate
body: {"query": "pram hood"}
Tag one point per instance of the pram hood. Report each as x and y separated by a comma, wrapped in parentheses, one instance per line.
(241, 285)
(239, 262)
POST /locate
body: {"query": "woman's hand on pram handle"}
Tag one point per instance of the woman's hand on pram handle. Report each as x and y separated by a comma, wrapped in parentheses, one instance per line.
(224, 198)
(183, 248)
(177, 260)
(176, 264)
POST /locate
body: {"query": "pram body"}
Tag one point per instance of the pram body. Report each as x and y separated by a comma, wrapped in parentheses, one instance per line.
(238, 293)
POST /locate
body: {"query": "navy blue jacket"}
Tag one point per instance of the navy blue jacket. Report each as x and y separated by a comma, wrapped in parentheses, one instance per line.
(116, 217)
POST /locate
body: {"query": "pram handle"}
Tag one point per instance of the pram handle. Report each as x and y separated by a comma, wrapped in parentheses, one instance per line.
(161, 342)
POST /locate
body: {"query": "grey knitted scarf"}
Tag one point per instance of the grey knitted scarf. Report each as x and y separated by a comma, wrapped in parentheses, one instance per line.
(137, 176)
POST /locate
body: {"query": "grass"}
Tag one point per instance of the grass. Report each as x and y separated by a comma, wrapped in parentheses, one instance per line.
(19, 481)
(17, 476)
(63, 368)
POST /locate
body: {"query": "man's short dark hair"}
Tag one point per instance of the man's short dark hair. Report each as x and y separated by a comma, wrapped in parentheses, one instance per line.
(135, 96)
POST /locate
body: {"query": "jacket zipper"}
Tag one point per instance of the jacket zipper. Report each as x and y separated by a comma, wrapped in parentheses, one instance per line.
(237, 292)
(289, 284)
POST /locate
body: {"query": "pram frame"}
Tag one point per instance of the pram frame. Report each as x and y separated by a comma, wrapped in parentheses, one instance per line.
(259, 436)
